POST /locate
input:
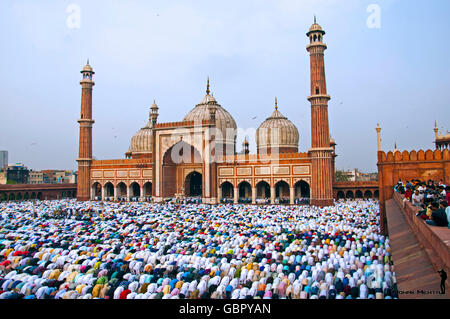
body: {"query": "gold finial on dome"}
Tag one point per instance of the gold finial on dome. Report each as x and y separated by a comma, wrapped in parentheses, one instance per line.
(276, 103)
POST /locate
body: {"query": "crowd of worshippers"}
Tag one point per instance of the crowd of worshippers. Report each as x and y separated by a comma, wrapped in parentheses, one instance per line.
(432, 198)
(266, 201)
(104, 250)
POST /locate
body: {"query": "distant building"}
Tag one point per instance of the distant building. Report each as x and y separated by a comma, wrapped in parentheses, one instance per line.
(51, 176)
(36, 177)
(3, 159)
(367, 177)
(16, 174)
(350, 175)
(355, 176)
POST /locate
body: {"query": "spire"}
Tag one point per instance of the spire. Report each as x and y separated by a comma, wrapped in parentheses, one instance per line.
(378, 129)
(315, 20)
(207, 87)
(87, 61)
(436, 130)
(276, 104)
(154, 104)
(245, 145)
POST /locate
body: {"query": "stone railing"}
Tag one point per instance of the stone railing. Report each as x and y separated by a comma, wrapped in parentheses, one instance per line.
(435, 240)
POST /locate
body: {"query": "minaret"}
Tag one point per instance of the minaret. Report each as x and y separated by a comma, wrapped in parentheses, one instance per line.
(85, 145)
(436, 130)
(378, 129)
(321, 153)
(154, 118)
(154, 113)
(245, 146)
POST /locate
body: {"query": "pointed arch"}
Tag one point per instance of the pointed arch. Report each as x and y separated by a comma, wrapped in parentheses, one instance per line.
(148, 189)
(262, 190)
(96, 190)
(121, 190)
(245, 191)
(109, 190)
(227, 191)
(302, 189)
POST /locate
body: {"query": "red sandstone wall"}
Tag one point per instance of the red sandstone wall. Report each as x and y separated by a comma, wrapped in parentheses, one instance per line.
(433, 239)
(406, 165)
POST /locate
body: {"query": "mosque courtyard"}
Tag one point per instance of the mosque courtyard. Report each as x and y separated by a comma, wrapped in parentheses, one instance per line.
(134, 250)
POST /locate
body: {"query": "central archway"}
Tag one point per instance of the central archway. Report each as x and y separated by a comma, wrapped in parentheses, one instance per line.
(175, 158)
(193, 184)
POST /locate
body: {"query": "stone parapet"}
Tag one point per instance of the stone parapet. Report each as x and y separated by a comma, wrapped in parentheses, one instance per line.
(435, 240)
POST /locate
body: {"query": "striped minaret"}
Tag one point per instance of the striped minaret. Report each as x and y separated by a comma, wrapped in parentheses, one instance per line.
(321, 153)
(85, 146)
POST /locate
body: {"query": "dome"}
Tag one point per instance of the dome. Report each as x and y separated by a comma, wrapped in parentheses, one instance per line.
(277, 133)
(87, 68)
(315, 28)
(224, 120)
(141, 142)
(443, 137)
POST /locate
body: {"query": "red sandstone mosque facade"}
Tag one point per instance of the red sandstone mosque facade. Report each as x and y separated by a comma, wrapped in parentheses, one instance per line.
(197, 156)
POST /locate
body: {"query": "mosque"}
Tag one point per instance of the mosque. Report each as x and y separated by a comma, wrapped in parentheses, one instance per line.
(196, 157)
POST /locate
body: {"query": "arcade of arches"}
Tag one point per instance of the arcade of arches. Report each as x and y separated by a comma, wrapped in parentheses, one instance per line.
(357, 194)
(18, 192)
(121, 191)
(263, 192)
(356, 190)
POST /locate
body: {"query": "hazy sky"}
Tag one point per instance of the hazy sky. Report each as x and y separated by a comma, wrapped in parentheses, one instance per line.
(395, 72)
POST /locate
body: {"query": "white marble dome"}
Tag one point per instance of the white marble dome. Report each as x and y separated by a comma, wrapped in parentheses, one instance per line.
(277, 132)
(141, 142)
(224, 121)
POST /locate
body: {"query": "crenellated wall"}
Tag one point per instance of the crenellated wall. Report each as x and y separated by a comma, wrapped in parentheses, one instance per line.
(422, 165)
